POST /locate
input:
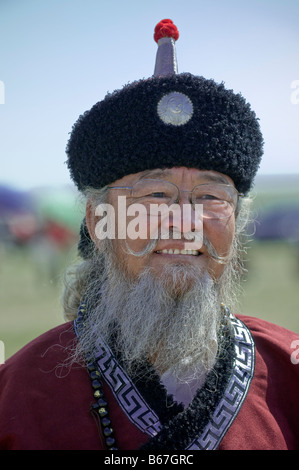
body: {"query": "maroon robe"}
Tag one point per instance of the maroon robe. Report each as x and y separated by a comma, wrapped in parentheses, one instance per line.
(45, 405)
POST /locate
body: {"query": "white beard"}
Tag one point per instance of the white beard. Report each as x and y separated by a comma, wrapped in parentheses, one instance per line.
(155, 321)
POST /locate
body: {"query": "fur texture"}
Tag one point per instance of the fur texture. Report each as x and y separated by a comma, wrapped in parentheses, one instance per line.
(123, 134)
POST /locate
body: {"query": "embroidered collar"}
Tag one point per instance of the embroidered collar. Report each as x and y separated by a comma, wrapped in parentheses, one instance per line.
(203, 424)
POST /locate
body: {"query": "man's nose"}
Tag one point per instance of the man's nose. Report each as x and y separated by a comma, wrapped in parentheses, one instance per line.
(187, 217)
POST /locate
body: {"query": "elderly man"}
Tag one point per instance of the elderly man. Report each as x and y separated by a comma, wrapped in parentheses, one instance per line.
(152, 357)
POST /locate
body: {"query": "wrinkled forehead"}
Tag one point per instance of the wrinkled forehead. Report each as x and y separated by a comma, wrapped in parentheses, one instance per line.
(178, 175)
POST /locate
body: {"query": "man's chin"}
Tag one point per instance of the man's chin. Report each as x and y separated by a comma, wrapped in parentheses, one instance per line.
(179, 279)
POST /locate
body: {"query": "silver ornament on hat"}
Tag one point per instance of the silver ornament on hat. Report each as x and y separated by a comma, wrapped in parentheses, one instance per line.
(174, 108)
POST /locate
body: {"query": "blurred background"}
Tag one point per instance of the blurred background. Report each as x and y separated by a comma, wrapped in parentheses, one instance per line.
(59, 57)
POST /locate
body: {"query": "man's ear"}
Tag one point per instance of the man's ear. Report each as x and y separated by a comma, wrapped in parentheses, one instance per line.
(91, 221)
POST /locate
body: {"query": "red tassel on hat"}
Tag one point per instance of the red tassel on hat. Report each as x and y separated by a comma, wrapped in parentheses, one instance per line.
(166, 29)
(166, 33)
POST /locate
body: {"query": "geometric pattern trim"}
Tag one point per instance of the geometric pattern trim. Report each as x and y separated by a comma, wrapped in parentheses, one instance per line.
(125, 392)
(128, 397)
(140, 413)
(235, 393)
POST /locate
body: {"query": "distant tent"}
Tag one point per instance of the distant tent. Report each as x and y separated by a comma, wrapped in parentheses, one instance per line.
(278, 224)
(13, 201)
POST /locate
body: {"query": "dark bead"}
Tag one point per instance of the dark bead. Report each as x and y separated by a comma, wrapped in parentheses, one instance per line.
(95, 374)
(102, 412)
(96, 384)
(107, 432)
(98, 393)
(91, 366)
(102, 402)
(105, 421)
(110, 441)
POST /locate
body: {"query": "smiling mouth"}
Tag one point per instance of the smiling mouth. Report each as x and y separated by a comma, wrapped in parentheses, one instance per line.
(179, 252)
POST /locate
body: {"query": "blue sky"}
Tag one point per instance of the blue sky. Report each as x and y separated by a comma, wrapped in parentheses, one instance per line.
(59, 57)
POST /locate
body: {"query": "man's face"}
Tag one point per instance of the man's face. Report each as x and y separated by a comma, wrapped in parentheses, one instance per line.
(219, 232)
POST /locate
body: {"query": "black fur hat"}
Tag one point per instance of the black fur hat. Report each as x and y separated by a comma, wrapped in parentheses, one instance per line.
(127, 133)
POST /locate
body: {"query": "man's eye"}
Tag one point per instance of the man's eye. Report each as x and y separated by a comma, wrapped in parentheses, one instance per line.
(208, 196)
(159, 194)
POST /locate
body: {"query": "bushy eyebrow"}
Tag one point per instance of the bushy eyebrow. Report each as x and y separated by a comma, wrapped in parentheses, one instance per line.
(158, 173)
(205, 175)
(215, 178)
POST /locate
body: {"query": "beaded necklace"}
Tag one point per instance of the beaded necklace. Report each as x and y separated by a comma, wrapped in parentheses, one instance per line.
(101, 405)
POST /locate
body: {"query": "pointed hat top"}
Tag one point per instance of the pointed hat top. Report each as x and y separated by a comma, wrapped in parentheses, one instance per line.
(166, 33)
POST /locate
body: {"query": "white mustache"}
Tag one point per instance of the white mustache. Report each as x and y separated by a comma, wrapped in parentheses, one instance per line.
(213, 253)
(174, 234)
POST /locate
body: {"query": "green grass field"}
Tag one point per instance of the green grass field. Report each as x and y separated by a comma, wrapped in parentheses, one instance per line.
(30, 294)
